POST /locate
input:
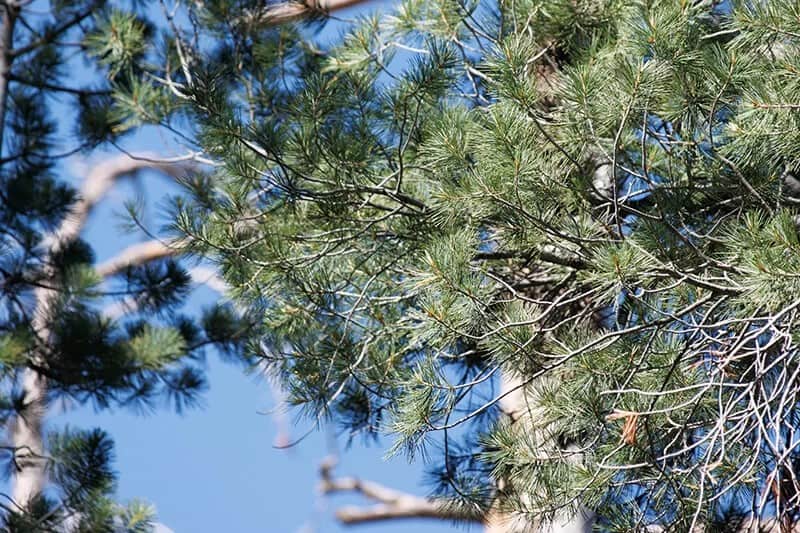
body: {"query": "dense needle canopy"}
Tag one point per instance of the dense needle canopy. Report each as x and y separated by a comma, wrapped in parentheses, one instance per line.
(584, 206)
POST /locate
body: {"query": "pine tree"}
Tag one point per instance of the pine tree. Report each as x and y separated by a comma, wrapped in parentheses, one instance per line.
(71, 330)
(549, 244)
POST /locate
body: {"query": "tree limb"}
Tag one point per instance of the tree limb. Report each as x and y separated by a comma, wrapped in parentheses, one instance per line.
(53, 33)
(547, 253)
(391, 504)
(134, 255)
(94, 188)
(284, 12)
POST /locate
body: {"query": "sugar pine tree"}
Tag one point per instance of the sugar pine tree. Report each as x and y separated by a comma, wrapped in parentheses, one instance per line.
(551, 244)
(109, 334)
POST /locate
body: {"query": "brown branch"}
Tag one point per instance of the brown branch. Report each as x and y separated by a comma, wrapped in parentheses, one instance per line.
(417, 508)
(391, 504)
(291, 11)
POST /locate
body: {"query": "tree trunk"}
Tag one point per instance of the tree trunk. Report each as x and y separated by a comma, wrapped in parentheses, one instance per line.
(26, 436)
(521, 406)
(9, 19)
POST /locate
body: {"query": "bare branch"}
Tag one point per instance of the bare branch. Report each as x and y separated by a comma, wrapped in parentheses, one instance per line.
(202, 275)
(97, 184)
(134, 255)
(284, 12)
(391, 505)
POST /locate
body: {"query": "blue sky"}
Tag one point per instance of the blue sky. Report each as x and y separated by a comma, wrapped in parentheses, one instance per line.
(215, 469)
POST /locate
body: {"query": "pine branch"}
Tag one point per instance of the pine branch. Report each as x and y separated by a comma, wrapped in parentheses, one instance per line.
(547, 253)
(749, 525)
(53, 34)
(26, 430)
(391, 504)
(58, 88)
(132, 257)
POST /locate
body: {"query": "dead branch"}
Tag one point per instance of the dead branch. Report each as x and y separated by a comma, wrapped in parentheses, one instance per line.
(95, 186)
(391, 504)
(294, 11)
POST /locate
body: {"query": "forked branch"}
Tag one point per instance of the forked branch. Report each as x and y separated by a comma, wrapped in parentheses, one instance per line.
(391, 504)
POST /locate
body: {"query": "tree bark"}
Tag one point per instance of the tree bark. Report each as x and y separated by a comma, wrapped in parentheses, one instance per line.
(521, 406)
(390, 503)
(9, 19)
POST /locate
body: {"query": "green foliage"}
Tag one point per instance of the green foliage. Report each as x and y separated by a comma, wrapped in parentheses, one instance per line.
(119, 39)
(580, 213)
(114, 341)
(80, 465)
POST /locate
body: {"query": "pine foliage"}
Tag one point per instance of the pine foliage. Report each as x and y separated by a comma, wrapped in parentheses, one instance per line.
(54, 322)
(595, 199)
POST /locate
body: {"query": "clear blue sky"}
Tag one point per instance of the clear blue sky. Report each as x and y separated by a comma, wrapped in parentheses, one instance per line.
(215, 469)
